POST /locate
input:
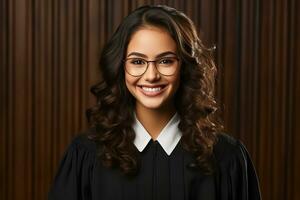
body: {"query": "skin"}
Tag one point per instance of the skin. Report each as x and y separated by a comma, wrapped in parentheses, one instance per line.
(153, 112)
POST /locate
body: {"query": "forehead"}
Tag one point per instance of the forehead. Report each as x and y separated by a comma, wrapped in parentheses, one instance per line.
(151, 41)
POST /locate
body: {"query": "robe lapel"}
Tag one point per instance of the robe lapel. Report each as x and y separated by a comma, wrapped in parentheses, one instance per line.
(188, 174)
(177, 182)
(197, 186)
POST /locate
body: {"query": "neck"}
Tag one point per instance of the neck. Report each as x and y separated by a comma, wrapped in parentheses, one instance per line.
(154, 120)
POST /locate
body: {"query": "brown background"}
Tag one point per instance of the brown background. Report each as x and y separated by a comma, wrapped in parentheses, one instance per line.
(48, 60)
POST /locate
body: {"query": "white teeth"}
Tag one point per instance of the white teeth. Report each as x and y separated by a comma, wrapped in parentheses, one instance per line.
(152, 89)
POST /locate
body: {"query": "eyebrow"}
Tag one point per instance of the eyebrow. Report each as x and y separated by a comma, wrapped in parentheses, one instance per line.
(157, 56)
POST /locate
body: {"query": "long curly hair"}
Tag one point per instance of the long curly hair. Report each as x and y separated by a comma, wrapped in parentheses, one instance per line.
(113, 115)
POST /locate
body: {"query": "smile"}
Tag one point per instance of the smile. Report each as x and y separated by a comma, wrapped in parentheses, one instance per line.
(152, 91)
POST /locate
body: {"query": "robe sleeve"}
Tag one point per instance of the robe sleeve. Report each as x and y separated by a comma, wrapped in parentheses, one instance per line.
(74, 175)
(242, 182)
(236, 177)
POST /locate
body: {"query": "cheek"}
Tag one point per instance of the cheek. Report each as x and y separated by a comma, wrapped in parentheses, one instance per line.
(176, 81)
(176, 78)
(130, 82)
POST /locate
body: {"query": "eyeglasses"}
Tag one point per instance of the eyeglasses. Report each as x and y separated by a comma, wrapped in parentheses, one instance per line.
(166, 66)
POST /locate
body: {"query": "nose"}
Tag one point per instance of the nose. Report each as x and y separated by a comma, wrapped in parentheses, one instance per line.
(151, 73)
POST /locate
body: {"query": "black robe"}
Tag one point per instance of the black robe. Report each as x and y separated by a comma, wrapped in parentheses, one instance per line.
(161, 177)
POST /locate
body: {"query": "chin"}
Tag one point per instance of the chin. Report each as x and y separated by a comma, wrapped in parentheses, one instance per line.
(152, 105)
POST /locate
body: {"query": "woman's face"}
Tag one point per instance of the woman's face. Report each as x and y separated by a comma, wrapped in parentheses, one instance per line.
(152, 90)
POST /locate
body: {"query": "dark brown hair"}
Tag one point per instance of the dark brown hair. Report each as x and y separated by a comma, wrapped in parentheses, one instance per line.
(113, 117)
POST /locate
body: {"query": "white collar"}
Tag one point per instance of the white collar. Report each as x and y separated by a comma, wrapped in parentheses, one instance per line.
(168, 137)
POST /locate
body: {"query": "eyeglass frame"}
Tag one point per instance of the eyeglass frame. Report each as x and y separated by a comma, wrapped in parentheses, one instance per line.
(149, 61)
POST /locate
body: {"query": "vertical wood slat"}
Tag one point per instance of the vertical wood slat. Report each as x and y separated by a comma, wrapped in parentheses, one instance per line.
(29, 107)
(264, 103)
(292, 164)
(279, 83)
(9, 176)
(296, 99)
(288, 168)
(3, 97)
(19, 107)
(49, 52)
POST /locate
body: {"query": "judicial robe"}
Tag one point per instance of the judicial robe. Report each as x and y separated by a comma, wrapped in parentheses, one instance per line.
(164, 173)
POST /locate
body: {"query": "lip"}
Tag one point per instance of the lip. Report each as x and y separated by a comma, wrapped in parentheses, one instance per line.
(152, 86)
(152, 94)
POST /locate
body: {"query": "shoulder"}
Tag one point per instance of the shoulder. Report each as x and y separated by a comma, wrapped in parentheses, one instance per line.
(236, 167)
(226, 141)
(75, 169)
(83, 141)
(228, 148)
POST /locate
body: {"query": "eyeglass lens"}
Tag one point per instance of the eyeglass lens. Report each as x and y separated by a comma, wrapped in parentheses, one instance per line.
(138, 66)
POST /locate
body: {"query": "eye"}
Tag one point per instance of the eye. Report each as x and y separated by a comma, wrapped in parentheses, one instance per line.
(137, 61)
(167, 61)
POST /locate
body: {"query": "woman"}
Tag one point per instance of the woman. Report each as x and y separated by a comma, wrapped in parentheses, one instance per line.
(154, 133)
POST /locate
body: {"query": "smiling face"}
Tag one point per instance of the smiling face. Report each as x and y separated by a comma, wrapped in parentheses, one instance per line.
(152, 90)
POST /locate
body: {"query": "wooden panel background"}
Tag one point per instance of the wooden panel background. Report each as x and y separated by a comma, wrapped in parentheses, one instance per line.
(48, 60)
